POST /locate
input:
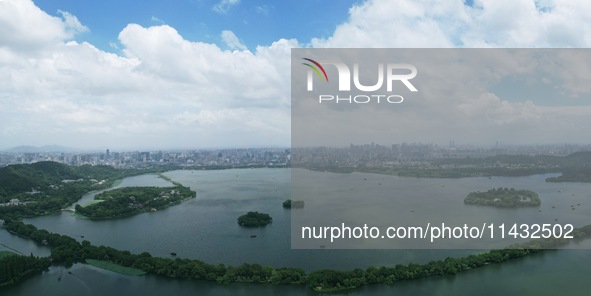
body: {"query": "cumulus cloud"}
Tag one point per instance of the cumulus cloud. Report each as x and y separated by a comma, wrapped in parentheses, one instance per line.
(72, 24)
(487, 23)
(231, 40)
(476, 96)
(25, 27)
(163, 90)
(157, 20)
(482, 115)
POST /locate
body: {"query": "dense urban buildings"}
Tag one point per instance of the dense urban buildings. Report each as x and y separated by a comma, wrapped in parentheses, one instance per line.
(369, 155)
(139, 159)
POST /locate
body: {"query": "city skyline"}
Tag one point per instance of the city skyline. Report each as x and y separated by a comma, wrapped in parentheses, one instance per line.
(452, 143)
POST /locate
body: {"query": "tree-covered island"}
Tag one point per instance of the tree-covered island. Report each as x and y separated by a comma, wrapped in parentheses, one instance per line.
(296, 204)
(254, 219)
(130, 201)
(504, 198)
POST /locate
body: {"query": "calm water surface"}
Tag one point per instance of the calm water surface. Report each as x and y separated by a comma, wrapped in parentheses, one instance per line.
(205, 228)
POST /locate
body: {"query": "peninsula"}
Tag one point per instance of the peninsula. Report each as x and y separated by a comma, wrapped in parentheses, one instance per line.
(130, 201)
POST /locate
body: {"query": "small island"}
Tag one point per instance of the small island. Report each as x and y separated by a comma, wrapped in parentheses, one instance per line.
(504, 198)
(130, 201)
(295, 204)
(254, 219)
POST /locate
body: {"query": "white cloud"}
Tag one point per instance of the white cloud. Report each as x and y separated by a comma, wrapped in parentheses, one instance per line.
(224, 5)
(231, 40)
(400, 23)
(489, 23)
(459, 99)
(72, 24)
(25, 27)
(163, 90)
(157, 20)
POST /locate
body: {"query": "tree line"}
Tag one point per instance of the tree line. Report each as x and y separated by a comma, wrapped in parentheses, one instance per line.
(129, 201)
(66, 250)
(16, 267)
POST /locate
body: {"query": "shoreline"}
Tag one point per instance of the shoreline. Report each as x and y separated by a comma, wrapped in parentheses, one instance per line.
(324, 280)
(112, 267)
(321, 289)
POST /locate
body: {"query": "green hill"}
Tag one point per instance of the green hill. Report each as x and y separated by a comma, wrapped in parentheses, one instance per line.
(40, 187)
(20, 178)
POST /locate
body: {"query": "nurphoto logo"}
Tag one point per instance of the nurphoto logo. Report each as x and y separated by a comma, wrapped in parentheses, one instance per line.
(391, 72)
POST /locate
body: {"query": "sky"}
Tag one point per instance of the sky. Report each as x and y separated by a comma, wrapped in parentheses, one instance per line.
(470, 96)
(199, 74)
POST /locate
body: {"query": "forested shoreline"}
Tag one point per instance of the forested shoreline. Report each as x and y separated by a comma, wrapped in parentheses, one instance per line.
(129, 201)
(15, 267)
(55, 186)
(67, 251)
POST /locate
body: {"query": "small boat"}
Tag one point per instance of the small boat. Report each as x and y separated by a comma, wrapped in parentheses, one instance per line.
(253, 236)
(173, 253)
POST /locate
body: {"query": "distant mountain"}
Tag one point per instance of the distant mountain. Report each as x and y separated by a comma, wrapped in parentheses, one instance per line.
(35, 149)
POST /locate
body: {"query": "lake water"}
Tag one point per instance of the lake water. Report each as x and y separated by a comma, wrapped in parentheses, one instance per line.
(205, 228)
(380, 200)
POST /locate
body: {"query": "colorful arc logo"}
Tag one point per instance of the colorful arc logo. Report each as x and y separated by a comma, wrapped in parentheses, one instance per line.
(316, 69)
